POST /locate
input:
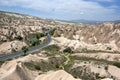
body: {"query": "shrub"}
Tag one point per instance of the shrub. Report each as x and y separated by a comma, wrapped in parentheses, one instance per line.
(57, 66)
(1, 42)
(52, 48)
(24, 49)
(117, 64)
(97, 75)
(35, 35)
(108, 48)
(68, 50)
(1, 62)
(106, 67)
(38, 36)
(37, 67)
(52, 31)
(19, 37)
(34, 42)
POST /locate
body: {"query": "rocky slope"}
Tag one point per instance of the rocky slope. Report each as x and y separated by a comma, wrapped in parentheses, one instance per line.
(92, 37)
(14, 25)
(96, 50)
(34, 67)
(43, 67)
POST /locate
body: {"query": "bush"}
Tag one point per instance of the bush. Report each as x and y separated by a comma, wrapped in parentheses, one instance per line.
(35, 35)
(108, 48)
(52, 31)
(1, 42)
(1, 62)
(52, 48)
(106, 67)
(19, 37)
(38, 36)
(34, 42)
(117, 64)
(24, 49)
(68, 50)
(37, 67)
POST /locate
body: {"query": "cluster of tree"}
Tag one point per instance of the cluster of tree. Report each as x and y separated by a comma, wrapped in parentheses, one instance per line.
(34, 42)
(34, 38)
(38, 36)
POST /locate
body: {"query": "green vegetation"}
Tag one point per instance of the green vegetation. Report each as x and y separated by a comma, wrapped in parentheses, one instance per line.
(24, 49)
(35, 35)
(32, 66)
(68, 63)
(85, 50)
(39, 35)
(34, 42)
(117, 64)
(19, 38)
(52, 31)
(84, 74)
(33, 39)
(1, 62)
(1, 42)
(106, 68)
(52, 64)
(52, 50)
(109, 48)
(68, 50)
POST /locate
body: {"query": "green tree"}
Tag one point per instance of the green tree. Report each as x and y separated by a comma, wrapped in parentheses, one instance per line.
(34, 42)
(52, 31)
(24, 49)
(68, 50)
(117, 64)
(19, 37)
(38, 36)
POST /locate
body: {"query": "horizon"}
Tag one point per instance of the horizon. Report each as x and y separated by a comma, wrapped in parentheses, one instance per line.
(92, 10)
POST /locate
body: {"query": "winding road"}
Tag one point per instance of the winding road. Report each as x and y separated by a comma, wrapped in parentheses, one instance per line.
(34, 49)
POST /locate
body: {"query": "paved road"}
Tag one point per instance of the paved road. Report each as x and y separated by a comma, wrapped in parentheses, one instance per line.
(34, 49)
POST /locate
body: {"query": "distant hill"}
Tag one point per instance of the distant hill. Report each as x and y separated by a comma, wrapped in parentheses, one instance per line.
(116, 21)
(94, 22)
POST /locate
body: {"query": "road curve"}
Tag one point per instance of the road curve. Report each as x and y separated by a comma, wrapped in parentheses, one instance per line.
(34, 49)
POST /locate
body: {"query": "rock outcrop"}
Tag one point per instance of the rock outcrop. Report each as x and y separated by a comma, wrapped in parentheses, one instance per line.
(102, 41)
(56, 75)
(93, 37)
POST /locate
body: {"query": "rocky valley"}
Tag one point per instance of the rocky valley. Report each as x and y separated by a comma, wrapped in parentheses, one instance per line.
(77, 51)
